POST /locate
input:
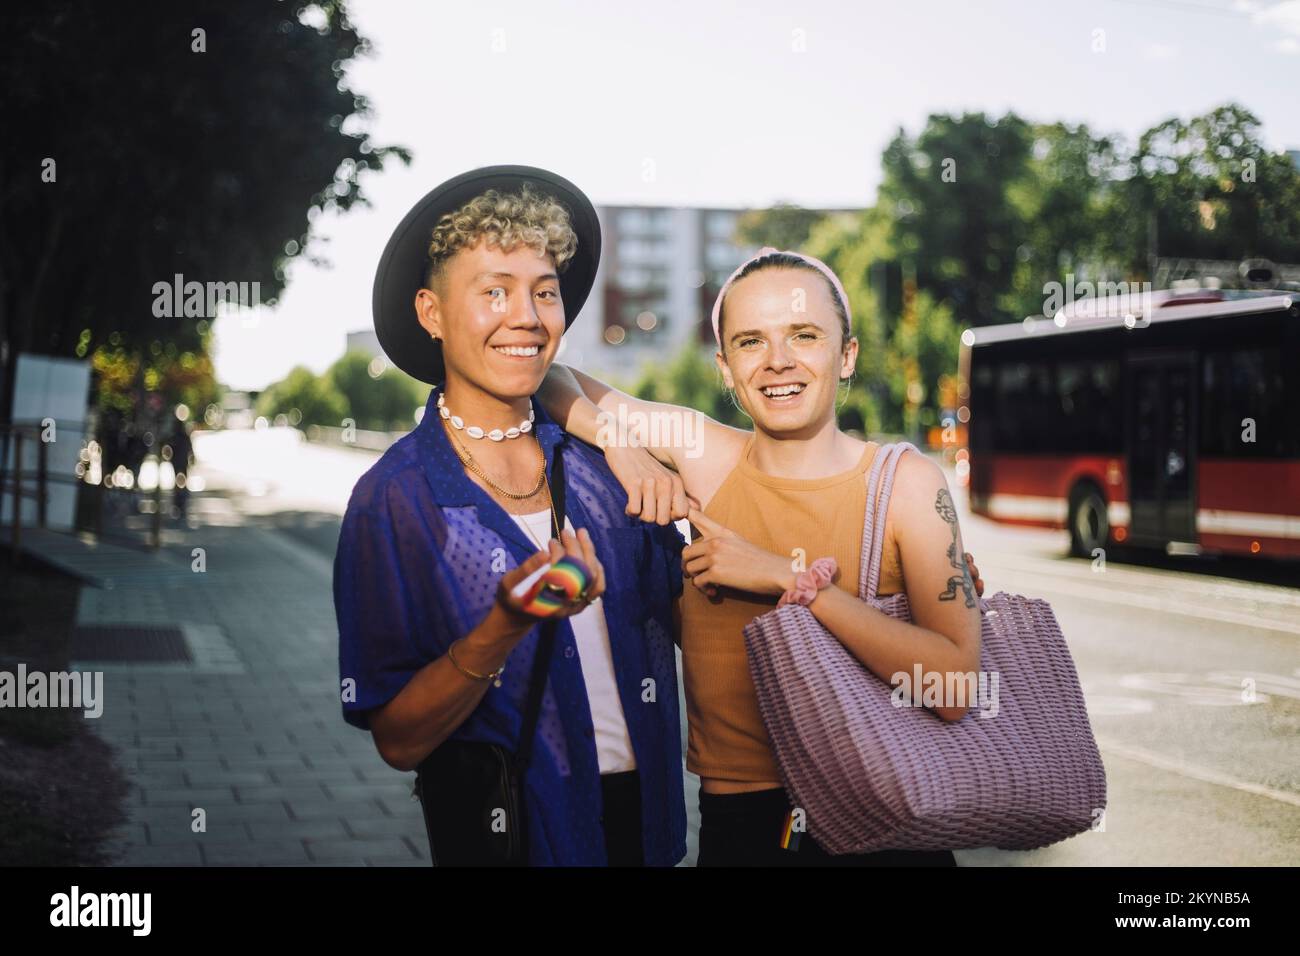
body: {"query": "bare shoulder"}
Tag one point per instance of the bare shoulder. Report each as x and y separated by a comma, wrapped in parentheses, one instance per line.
(920, 497)
(938, 583)
(715, 455)
(917, 472)
(731, 441)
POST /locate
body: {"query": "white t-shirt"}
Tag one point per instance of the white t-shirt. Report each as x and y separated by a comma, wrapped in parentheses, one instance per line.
(613, 745)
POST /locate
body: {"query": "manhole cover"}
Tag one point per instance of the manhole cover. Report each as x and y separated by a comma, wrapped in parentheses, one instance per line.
(129, 642)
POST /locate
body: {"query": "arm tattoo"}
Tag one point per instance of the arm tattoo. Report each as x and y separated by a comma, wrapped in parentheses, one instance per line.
(943, 504)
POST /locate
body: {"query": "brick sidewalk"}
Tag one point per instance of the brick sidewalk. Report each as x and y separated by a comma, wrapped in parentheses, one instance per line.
(251, 732)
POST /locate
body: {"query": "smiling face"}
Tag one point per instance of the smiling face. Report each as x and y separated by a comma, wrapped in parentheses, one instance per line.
(499, 316)
(783, 350)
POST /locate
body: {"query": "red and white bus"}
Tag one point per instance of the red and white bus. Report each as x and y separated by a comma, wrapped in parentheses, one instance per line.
(1168, 421)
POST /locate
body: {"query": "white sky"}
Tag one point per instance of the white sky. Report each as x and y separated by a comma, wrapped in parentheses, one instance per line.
(714, 100)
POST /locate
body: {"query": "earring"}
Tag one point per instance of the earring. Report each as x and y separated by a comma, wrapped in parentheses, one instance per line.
(434, 336)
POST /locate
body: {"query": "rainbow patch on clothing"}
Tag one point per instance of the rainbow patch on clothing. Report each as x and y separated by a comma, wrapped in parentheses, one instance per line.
(789, 835)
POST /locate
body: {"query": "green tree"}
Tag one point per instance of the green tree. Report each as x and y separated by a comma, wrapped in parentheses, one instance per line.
(923, 353)
(305, 397)
(954, 222)
(1065, 198)
(783, 226)
(857, 248)
(376, 395)
(1208, 188)
(691, 379)
(123, 378)
(138, 148)
(977, 214)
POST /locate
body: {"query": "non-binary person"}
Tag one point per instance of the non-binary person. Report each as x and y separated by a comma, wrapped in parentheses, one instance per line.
(795, 485)
(474, 291)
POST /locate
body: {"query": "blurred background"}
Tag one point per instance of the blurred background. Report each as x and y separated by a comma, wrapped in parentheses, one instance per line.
(195, 196)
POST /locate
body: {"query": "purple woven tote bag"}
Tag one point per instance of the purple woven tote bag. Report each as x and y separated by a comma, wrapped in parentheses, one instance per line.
(872, 776)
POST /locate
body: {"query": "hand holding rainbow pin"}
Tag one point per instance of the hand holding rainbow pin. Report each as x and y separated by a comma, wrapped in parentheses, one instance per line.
(552, 586)
(557, 582)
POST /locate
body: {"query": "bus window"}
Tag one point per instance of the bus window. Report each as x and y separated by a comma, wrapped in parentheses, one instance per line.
(1241, 384)
(1088, 412)
(983, 400)
(1024, 416)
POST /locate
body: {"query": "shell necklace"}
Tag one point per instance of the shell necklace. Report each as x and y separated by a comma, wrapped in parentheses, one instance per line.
(473, 431)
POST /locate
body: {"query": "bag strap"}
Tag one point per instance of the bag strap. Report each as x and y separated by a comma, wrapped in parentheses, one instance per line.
(873, 527)
(545, 643)
(869, 521)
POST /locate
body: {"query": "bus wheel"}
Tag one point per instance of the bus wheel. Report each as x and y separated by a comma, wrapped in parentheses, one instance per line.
(1089, 526)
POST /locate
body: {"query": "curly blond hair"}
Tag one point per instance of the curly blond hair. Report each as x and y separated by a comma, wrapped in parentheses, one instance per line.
(506, 220)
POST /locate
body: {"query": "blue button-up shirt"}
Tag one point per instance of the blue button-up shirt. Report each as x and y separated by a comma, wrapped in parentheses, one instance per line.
(421, 551)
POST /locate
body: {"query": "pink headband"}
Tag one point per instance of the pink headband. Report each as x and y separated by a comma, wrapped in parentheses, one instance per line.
(817, 264)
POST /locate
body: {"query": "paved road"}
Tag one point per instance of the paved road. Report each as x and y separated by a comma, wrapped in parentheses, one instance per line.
(1191, 671)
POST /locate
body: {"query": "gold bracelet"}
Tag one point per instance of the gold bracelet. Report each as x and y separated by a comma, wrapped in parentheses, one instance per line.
(495, 676)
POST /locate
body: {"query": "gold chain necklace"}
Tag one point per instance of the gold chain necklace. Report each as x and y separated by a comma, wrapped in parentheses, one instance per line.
(468, 461)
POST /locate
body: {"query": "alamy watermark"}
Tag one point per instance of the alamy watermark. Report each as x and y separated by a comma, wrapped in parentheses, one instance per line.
(975, 689)
(82, 690)
(130, 910)
(1133, 299)
(675, 428)
(193, 299)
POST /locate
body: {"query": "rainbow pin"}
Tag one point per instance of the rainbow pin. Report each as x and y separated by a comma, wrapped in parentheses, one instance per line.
(551, 587)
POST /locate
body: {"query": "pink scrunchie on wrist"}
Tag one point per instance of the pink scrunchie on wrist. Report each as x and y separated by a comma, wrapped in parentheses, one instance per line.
(808, 583)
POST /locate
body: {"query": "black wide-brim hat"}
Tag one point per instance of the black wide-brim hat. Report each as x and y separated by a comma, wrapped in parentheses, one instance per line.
(405, 262)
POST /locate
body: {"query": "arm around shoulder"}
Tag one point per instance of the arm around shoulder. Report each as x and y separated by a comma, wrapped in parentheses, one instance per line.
(676, 435)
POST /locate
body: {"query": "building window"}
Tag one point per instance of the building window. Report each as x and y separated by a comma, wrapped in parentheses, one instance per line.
(633, 221)
(635, 278)
(720, 225)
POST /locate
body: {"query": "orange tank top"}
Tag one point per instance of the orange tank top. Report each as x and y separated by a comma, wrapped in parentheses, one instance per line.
(821, 516)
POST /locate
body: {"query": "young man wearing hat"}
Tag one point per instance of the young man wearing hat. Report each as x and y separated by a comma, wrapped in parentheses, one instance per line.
(438, 650)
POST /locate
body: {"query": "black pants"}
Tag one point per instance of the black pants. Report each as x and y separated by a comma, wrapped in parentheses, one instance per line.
(745, 829)
(621, 818)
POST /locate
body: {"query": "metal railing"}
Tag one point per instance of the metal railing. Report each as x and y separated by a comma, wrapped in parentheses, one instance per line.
(15, 434)
(23, 483)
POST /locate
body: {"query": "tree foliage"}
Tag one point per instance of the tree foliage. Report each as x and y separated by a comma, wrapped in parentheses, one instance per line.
(977, 214)
(312, 397)
(151, 139)
(1213, 191)
(691, 379)
(373, 394)
(783, 226)
(948, 192)
(377, 395)
(987, 210)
